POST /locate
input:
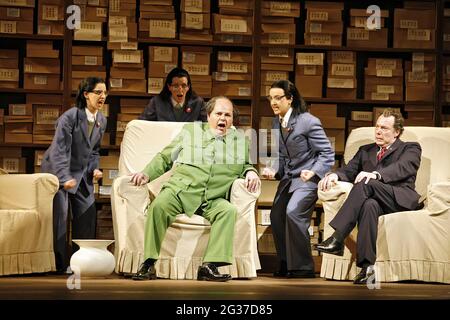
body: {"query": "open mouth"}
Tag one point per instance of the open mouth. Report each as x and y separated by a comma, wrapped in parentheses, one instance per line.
(221, 126)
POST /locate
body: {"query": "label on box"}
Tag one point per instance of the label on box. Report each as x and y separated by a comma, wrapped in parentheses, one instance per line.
(49, 13)
(265, 217)
(220, 76)
(280, 7)
(89, 31)
(115, 83)
(418, 66)
(446, 37)
(318, 16)
(168, 67)
(162, 28)
(315, 27)
(386, 64)
(278, 52)
(188, 57)
(418, 56)
(197, 69)
(341, 83)
(40, 80)
(244, 91)
(357, 34)
(117, 21)
(379, 96)
(342, 56)
(233, 25)
(341, 69)
(418, 77)
(409, 24)
(226, 3)
(121, 126)
(234, 67)
(13, 12)
(162, 54)
(93, 2)
(279, 38)
(9, 74)
(384, 73)
(320, 39)
(113, 174)
(39, 157)
(44, 29)
(101, 12)
(193, 5)
(126, 56)
(8, 27)
(128, 46)
(18, 109)
(194, 21)
(18, 3)
(419, 34)
(385, 89)
(114, 5)
(155, 85)
(46, 115)
(118, 34)
(224, 56)
(310, 59)
(362, 116)
(90, 60)
(272, 76)
(310, 70)
(11, 165)
(231, 38)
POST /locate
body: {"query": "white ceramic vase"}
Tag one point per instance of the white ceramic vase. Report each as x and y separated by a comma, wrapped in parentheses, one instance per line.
(93, 258)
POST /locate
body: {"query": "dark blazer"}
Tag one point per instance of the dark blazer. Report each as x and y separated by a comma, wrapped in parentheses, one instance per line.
(305, 146)
(159, 109)
(72, 153)
(397, 168)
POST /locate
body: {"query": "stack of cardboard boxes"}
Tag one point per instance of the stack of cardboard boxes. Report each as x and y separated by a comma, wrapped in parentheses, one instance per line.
(157, 19)
(127, 73)
(197, 62)
(94, 13)
(383, 80)
(9, 68)
(161, 60)
(420, 77)
(276, 63)
(359, 34)
(196, 20)
(266, 243)
(234, 22)
(359, 119)
(323, 26)
(333, 125)
(104, 227)
(41, 66)
(46, 110)
(244, 108)
(16, 16)
(130, 109)
(278, 24)
(51, 17)
(309, 74)
(11, 160)
(341, 81)
(446, 80)
(38, 155)
(19, 124)
(234, 74)
(122, 26)
(109, 166)
(87, 61)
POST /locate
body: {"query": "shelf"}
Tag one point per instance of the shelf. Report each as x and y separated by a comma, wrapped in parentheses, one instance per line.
(338, 48)
(21, 90)
(46, 145)
(363, 101)
(176, 42)
(31, 36)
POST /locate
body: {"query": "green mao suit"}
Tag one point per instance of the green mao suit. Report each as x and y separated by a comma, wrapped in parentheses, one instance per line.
(205, 168)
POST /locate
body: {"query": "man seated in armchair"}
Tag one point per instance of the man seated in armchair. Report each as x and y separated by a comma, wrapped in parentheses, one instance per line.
(209, 157)
(384, 175)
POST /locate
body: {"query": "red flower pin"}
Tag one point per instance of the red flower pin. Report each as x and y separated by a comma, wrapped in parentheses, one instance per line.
(188, 110)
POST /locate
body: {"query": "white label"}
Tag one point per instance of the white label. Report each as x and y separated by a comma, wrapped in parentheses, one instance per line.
(310, 70)
(226, 3)
(265, 217)
(155, 85)
(162, 54)
(310, 58)
(341, 69)
(384, 73)
(320, 39)
(357, 34)
(9, 74)
(385, 89)
(125, 56)
(379, 96)
(409, 24)
(49, 13)
(162, 28)
(280, 7)
(194, 21)
(279, 38)
(193, 5)
(220, 76)
(385, 64)
(224, 56)
(188, 57)
(419, 34)
(45, 29)
(118, 34)
(341, 83)
(13, 12)
(115, 83)
(117, 21)
(8, 27)
(102, 12)
(272, 76)
(18, 109)
(318, 16)
(234, 67)
(233, 25)
(90, 60)
(40, 80)
(128, 45)
(197, 69)
(168, 67)
(11, 165)
(113, 174)
(315, 27)
(421, 77)
(279, 52)
(244, 91)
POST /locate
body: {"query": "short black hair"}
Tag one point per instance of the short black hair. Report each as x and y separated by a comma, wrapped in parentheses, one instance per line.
(177, 72)
(86, 85)
(298, 103)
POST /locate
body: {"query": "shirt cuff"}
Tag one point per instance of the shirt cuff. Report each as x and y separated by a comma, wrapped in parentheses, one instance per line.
(377, 174)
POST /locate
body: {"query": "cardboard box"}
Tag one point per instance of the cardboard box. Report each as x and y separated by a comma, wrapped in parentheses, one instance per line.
(362, 38)
(163, 54)
(13, 164)
(232, 88)
(227, 24)
(41, 81)
(108, 176)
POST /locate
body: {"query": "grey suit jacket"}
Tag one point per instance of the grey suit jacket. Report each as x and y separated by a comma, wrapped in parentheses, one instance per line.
(304, 147)
(159, 109)
(72, 153)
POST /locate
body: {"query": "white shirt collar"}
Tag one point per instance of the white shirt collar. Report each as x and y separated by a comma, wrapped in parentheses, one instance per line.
(285, 120)
(90, 115)
(174, 103)
(387, 147)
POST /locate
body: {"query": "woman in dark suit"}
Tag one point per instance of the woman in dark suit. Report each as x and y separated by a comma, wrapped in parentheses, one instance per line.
(73, 157)
(177, 101)
(305, 156)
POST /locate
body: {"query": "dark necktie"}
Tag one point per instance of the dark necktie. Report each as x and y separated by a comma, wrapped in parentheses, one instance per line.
(381, 153)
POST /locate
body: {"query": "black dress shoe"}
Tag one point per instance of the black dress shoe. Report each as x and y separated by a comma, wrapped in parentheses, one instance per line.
(301, 274)
(145, 272)
(209, 272)
(280, 274)
(365, 276)
(331, 246)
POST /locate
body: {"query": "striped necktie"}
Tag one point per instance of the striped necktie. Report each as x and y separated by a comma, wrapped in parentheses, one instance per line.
(381, 153)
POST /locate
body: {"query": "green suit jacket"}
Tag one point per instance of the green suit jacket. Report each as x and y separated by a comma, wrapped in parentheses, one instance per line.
(205, 165)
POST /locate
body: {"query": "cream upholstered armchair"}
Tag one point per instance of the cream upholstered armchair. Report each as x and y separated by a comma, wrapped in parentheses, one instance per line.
(411, 245)
(26, 223)
(186, 239)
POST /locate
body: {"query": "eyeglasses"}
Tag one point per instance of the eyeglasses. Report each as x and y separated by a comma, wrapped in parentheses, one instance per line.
(99, 92)
(276, 98)
(182, 86)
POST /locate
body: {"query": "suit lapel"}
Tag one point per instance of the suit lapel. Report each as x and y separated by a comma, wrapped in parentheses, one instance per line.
(95, 131)
(391, 150)
(83, 124)
(291, 124)
(373, 155)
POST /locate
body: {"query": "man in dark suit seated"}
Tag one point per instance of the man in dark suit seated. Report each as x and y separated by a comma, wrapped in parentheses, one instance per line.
(384, 175)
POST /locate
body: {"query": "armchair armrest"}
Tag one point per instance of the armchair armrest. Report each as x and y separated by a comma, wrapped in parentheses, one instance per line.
(438, 198)
(28, 191)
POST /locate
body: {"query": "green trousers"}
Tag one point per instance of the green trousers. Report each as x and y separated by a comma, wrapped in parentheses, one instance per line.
(220, 213)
